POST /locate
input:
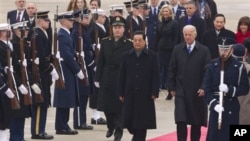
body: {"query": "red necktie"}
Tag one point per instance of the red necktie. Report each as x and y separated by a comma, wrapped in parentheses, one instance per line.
(18, 17)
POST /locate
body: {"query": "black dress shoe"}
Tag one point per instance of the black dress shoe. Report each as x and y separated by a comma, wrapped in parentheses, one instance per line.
(43, 136)
(85, 127)
(100, 121)
(109, 133)
(66, 132)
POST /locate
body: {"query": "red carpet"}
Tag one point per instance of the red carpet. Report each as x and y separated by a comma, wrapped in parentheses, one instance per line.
(173, 137)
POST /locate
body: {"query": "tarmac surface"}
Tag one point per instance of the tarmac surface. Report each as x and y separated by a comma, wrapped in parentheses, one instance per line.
(232, 9)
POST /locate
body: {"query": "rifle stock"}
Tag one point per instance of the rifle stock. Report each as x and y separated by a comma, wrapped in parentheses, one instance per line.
(35, 72)
(57, 62)
(27, 97)
(11, 83)
(80, 58)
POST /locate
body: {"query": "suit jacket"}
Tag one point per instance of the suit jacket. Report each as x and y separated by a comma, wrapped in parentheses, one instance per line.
(179, 12)
(12, 15)
(196, 21)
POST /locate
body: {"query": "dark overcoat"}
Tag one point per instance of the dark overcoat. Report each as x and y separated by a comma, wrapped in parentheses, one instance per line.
(138, 82)
(67, 97)
(210, 39)
(107, 72)
(45, 67)
(185, 77)
(235, 77)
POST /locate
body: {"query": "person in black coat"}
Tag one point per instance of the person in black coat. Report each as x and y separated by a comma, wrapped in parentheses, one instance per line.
(19, 14)
(106, 76)
(211, 36)
(138, 89)
(192, 19)
(97, 32)
(235, 83)
(166, 39)
(185, 82)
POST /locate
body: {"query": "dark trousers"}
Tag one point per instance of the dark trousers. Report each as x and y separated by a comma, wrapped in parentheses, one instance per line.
(17, 129)
(182, 132)
(38, 120)
(163, 76)
(79, 114)
(93, 98)
(114, 123)
(62, 119)
(138, 134)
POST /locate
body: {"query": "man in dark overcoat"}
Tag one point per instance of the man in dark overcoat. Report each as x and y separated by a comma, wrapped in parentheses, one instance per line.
(235, 83)
(66, 98)
(185, 82)
(19, 14)
(139, 88)
(106, 76)
(210, 37)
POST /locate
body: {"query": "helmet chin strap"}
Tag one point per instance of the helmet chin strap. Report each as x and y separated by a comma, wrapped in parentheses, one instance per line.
(225, 57)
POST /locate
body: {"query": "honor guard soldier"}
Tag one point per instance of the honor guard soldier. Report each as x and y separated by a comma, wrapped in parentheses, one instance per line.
(80, 31)
(116, 10)
(66, 98)
(5, 93)
(106, 76)
(97, 32)
(225, 80)
(46, 71)
(133, 20)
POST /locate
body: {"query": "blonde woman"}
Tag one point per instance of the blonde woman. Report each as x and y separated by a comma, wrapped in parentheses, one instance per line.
(166, 39)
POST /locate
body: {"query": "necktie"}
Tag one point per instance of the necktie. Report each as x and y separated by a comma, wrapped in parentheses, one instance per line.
(18, 17)
(173, 11)
(189, 49)
(155, 12)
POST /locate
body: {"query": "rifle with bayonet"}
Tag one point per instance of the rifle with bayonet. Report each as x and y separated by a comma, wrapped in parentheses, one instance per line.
(130, 21)
(23, 69)
(35, 63)
(57, 59)
(80, 55)
(11, 79)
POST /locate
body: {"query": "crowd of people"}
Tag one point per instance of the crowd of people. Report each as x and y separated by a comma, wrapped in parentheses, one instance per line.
(119, 63)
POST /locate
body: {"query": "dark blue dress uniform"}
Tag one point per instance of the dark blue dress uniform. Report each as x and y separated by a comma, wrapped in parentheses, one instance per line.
(84, 91)
(135, 25)
(4, 102)
(66, 98)
(152, 21)
(39, 110)
(235, 77)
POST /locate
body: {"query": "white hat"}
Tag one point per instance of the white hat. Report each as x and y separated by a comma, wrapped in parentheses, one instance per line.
(5, 26)
(22, 24)
(98, 11)
(66, 15)
(116, 7)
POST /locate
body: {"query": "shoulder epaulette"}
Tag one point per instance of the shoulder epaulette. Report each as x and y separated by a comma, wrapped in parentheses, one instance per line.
(106, 38)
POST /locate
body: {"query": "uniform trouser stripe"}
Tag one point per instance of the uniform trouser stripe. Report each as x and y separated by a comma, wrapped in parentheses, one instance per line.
(38, 112)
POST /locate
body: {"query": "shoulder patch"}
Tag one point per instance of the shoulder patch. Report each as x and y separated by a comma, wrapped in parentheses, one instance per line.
(106, 38)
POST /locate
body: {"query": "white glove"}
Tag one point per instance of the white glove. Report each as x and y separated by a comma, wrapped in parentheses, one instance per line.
(98, 46)
(24, 63)
(80, 74)
(22, 89)
(58, 56)
(82, 54)
(9, 93)
(97, 84)
(54, 74)
(223, 88)
(94, 46)
(6, 69)
(36, 89)
(218, 108)
(94, 69)
(36, 61)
